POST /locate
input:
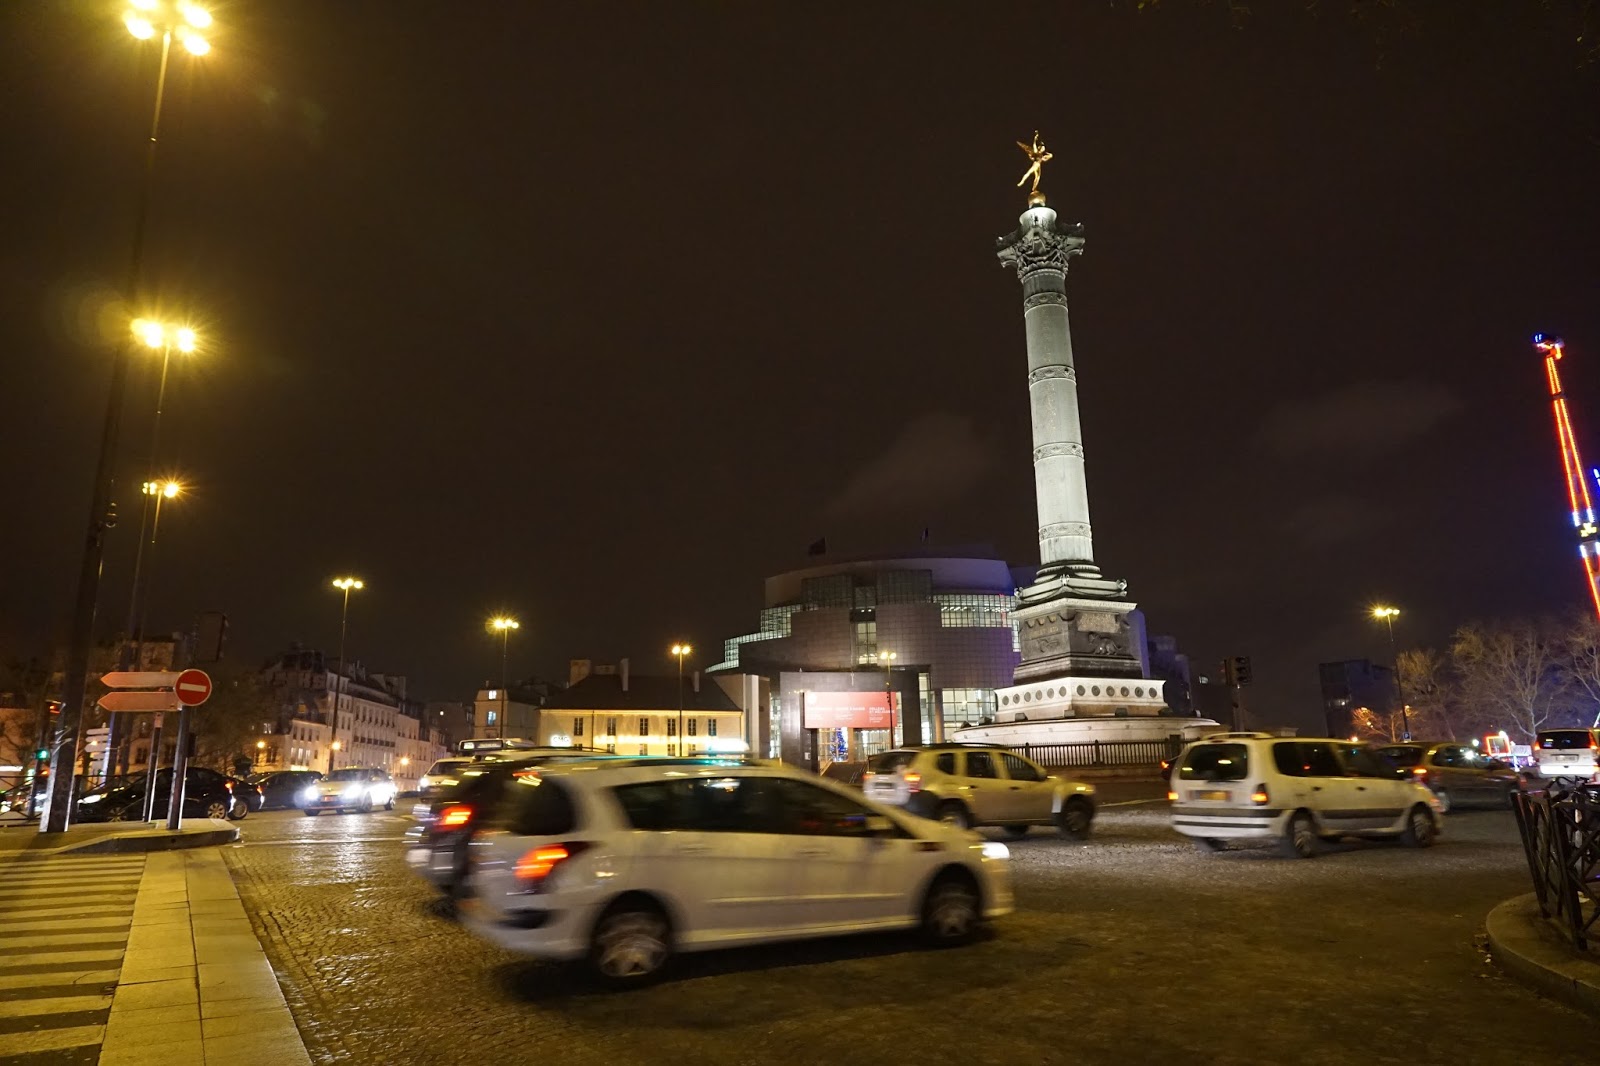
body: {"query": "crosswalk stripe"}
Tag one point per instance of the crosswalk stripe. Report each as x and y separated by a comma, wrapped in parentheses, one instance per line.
(45, 962)
(44, 940)
(28, 914)
(24, 1008)
(58, 979)
(39, 1041)
(59, 924)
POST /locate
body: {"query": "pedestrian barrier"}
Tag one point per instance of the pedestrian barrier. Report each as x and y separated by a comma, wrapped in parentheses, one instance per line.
(1560, 830)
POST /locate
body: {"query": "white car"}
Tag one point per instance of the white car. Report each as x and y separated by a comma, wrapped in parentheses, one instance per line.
(1295, 791)
(622, 863)
(1568, 754)
(349, 788)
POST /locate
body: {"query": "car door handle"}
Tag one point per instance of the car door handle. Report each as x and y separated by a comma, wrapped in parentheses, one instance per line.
(1361, 788)
(1016, 788)
(693, 849)
(811, 853)
(1316, 788)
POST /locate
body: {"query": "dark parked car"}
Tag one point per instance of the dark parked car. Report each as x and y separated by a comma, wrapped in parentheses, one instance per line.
(207, 794)
(248, 793)
(1458, 774)
(283, 789)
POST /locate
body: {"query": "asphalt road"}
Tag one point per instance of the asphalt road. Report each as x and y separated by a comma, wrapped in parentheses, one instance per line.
(1131, 948)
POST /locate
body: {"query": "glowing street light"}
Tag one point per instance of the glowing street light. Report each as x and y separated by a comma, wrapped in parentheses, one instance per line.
(503, 624)
(345, 585)
(1387, 615)
(145, 20)
(680, 652)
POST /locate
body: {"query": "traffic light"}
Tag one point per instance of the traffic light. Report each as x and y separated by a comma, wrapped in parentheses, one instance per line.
(42, 754)
(1241, 670)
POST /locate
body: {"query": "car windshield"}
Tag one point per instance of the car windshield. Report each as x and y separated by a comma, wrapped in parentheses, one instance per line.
(347, 775)
(1215, 762)
(1402, 756)
(887, 762)
(1564, 738)
(448, 767)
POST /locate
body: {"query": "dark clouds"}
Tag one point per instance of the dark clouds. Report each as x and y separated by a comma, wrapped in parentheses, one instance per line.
(933, 462)
(1362, 419)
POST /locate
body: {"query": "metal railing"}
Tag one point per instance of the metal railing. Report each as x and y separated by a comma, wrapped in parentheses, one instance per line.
(1560, 831)
(1095, 753)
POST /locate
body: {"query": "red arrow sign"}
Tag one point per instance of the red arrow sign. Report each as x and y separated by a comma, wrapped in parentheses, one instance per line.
(193, 687)
(139, 701)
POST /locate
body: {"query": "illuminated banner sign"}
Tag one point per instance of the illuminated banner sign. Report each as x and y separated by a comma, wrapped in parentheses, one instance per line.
(850, 710)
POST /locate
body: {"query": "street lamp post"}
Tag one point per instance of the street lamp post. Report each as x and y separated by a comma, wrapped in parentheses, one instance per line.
(148, 17)
(1387, 615)
(503, 625)
(343, 584)
(680, 652)
(154, 335)
(261, 750)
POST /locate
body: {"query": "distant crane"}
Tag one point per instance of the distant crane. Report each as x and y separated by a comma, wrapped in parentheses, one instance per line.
(1578, 495)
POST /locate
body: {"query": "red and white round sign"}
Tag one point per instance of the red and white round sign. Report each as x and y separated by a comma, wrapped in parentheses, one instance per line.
(193, 687)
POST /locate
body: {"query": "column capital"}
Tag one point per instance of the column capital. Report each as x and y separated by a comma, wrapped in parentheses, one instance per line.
(1037, 244)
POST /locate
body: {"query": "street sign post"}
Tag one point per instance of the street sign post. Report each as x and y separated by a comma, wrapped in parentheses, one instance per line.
(140, 701)
(193, 687)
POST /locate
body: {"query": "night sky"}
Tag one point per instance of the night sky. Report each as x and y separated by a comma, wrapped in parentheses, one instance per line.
(602, 314)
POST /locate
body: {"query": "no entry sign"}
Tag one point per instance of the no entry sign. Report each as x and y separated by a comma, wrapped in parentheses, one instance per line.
(193, 687)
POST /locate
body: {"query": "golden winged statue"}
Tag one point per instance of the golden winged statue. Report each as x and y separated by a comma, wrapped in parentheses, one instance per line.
(1037, 158)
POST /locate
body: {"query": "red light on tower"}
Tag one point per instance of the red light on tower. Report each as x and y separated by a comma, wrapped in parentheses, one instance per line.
(1578, 496)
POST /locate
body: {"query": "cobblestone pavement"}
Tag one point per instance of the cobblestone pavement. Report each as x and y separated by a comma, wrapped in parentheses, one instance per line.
(1132, 948)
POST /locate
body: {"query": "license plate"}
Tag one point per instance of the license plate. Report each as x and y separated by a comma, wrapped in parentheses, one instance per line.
(1211, 794)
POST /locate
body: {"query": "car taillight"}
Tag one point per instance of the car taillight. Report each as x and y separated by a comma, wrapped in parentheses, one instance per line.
(451, 817)
(536, 866)
(1172, 797)
(1420, 772)
(913, 782)
(1259, 797)
(868, 776)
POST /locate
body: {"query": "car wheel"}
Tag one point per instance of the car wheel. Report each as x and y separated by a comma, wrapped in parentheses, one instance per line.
(217, 809)
(955, 815)
(117, 814)
(631, 945)
(310, 813)
(1444, 800)
(1075, 820)
(240, 809)
(1016, 832)
(1207, 844)
(1300, 838)
(951, 911)
(1418, 832)
(366, 806)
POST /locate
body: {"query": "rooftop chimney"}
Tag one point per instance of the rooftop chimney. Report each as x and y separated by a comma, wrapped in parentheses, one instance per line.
(624, 675)
(697, 682)
(578, 669)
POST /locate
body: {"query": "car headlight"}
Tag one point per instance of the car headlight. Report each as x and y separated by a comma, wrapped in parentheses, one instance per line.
(309, 792)
(993, 849)
(91, 799)
(424, 783)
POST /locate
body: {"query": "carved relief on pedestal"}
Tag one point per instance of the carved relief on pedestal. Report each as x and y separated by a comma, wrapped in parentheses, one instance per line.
(1064, 529)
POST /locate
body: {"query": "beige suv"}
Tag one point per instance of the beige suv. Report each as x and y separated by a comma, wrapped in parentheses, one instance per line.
(968, 785)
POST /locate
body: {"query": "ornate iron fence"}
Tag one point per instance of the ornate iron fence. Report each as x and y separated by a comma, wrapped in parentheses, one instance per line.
(1560, 831)
(1093, 753)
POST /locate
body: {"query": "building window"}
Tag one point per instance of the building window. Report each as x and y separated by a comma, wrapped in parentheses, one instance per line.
(611, 727)
(491, 719)
(691, 727)
(577, 727)
(866, 642)
(711, 727)
(644, 749)
(672, 727)
(644, 727)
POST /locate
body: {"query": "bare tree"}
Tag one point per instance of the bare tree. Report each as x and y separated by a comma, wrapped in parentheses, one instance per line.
(226, 726)
(1384, 727)
(1426, 679)
(1511, 673)
(1583, 664)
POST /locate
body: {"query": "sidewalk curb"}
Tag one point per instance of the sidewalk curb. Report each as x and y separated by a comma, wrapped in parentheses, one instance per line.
(137, 841)
(1531, 952)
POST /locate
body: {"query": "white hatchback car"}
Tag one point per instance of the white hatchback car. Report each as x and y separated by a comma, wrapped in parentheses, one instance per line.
(625, 862)
(1297, 791)
(1567, 754)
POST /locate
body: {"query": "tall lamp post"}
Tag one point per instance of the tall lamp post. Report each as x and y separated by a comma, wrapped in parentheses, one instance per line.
(503, 625)
(680, 652)
(343, 584)
(1387, 615)
(148, 18)
(165, 337)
